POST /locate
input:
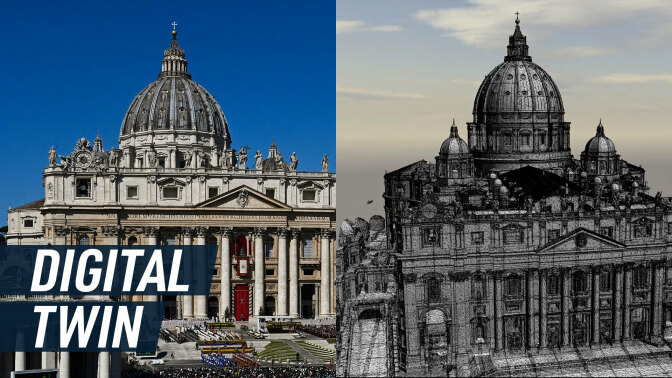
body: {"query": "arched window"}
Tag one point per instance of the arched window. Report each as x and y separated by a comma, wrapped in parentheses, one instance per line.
(268, 248)
(240, 246)
(433, 290)
(307, 243)
(84, 240)
(479, 333)
(132, 240)
(438, 337)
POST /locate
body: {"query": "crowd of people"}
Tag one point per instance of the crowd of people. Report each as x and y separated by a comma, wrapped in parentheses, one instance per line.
(324, 331)
(234, 372)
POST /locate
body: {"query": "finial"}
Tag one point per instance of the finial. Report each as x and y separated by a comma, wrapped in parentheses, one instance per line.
(517, 19)
(600, 129)
(453, 129)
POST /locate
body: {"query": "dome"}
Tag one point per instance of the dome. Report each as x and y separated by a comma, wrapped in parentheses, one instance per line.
(600, 143)
(454, 145)
(517, 89)
(175, 104)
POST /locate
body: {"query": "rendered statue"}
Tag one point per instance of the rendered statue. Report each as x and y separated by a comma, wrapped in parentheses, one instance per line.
(151, 159)
(325, 163)
(293, 161)
(52, 156)
(113, 157)
(187, 159)
(83, 144)
(258, 160)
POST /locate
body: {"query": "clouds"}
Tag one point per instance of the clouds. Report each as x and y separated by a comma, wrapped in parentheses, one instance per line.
(360, 93)
(483, 22)
(634, 78)
(343, 26)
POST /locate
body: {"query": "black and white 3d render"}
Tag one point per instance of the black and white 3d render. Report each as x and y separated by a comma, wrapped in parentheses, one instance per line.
(508, 255)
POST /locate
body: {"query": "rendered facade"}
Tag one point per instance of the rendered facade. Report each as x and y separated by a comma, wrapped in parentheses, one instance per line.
(506, 246)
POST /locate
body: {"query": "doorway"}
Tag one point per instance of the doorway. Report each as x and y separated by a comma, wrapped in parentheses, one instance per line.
(213, 307)
(308, 301)
(241, 296)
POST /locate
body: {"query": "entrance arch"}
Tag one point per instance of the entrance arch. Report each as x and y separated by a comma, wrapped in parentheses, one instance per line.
(213, 307)
(269, 305)
(241, 297)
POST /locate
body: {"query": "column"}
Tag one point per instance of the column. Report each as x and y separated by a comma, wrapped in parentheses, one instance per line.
(325, 273)
(294, 273)
(596, 306)
(259, 272)
(565, 306)
(282, 272)
(225, 271)
(187, 300)
(657, 299)
(499, 307)
(173, 159)
(543, 307)
(48, 360)
(150, 235)
(20, 357)
(64, 365)
(104, 365)
(627, 299)
(618, 301)
(201, 305)
(532, 310)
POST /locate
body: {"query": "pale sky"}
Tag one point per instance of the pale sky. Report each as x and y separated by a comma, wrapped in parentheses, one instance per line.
(405, 69)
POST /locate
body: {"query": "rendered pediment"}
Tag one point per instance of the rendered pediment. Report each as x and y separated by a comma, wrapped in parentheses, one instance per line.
(243, 197)
(582, 239)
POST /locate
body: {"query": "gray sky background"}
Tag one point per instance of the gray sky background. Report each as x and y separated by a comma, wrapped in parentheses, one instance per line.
(405, 69)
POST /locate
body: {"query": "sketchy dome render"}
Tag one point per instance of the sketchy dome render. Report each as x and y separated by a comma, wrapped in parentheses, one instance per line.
(175, 103)
(517, 89)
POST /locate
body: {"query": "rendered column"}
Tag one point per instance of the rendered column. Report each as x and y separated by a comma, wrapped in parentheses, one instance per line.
(294, 274)
(64, 365)
(618, 304)
(627, 299)
(150, 233)
(104, 365)
(325, 274)
(48, 360)
(499, 323)
(188, 300)
(282, 272)
(565, 307)
(657, 300)
(259, 281)
(596, 306)
(225, 272)
(543, 317)
(201, 300)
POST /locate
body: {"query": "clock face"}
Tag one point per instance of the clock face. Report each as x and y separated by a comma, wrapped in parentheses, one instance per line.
(83, 159)
(429, 211)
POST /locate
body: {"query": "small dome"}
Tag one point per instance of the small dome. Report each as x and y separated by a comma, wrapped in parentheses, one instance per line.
(377, 223)
(498, 182)
(615, 187)
(454, 145)
(600, 143)
(503, 190)
(347, 228)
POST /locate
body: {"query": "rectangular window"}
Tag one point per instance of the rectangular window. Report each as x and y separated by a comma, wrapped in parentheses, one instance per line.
(270, 272)
(138, 163)
(669, 228)
(182, 164)
(513, 286)
(162, 162)
(308, 195)
(83, 187)
(131, 192)
(431, 237)
(640, 277)
(553, 284)
(308, 272)
(268, 248)
(307, 247)
(478, 287)
(213, 191)
(605, 281)
(170, 193)
(607, 231)
(477, 238)
(526, 139)
(270, 193)
(28, 223)
(513, 236)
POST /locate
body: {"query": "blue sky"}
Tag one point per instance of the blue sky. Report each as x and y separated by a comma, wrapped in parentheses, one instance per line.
(405, 69)
(71, 69)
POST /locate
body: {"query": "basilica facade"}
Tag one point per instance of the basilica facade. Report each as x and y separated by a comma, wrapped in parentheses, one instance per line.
(176, 179)
(506, 246)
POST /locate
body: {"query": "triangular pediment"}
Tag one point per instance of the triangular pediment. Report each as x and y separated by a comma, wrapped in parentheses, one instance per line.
(582, 239)
(243, 197)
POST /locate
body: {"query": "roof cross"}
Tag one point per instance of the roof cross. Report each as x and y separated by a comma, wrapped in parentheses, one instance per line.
(517, 20)
(174, 24)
